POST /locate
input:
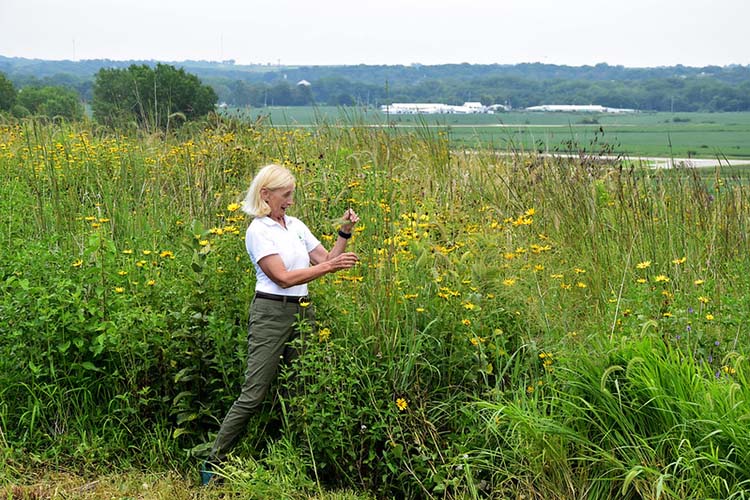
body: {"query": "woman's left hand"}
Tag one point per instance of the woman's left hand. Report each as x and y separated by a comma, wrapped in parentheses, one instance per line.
(350, 217)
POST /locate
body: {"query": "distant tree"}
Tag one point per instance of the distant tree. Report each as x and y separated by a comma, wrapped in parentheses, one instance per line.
(344, 99)
(49, 101)
(7, 93)
(160, 97)
(19, 111)
(280, 94)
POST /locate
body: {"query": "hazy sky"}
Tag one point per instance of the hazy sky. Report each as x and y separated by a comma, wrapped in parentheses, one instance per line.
(635, 33)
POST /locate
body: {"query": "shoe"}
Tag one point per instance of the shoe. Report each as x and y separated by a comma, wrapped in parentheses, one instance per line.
(208, 475)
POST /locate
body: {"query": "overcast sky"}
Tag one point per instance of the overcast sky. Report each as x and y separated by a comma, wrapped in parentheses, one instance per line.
(634, 33)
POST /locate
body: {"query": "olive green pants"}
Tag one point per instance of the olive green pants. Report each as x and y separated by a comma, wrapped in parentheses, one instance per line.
(272, 325)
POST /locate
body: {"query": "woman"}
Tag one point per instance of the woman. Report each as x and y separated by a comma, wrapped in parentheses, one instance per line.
(282, 249)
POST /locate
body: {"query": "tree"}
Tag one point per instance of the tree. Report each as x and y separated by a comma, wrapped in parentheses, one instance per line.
(151, 97)
(7, 93)
(50, 101)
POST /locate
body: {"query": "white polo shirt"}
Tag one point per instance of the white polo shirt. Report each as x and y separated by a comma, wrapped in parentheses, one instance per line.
(264, 237)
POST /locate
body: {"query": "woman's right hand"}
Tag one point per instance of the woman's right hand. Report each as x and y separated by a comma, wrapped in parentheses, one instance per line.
(346, 260)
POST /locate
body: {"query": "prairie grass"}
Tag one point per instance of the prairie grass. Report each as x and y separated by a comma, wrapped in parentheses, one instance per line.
(518, 324)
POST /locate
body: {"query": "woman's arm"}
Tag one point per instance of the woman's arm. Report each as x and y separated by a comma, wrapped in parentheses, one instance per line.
(274, 268)
(324, 262)
(320, 255)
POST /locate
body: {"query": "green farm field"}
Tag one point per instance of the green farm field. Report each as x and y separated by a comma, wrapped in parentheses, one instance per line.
(677, 135)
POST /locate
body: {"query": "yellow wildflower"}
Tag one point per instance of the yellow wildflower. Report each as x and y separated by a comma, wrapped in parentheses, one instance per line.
(324, 334)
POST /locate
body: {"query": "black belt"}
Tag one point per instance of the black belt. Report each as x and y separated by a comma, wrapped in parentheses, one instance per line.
(292, 299)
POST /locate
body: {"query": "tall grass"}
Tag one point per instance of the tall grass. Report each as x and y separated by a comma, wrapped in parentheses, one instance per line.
(518, 325)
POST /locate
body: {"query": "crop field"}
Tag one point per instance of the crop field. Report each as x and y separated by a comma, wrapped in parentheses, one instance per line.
(519, 326)
(676, 135)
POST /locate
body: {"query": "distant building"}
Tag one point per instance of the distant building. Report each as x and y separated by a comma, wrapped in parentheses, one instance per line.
(574, 108)
(428, 108)
(303, 83)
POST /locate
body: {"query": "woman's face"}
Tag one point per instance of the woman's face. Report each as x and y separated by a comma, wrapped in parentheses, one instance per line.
(279, 200)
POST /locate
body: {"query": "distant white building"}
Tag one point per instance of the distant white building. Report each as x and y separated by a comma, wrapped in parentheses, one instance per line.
(574, 108)
(428, 108)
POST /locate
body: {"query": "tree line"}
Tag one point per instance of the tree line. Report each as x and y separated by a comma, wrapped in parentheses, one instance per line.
(50, 87)
(669, 94)
(147, 97)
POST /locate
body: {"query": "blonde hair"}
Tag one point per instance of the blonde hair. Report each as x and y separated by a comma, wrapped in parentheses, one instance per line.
(270, 177)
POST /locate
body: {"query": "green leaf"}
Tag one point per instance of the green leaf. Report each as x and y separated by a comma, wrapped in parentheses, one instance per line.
(181, 395)
(184, 375)
(186, 417)
(179, 432)
(634, 472)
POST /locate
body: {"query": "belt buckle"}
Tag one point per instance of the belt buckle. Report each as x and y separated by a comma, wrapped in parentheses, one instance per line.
(303, 300)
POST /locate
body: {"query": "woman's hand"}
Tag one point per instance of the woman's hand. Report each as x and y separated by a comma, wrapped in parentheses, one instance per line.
(350, 218)
(346, 260)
